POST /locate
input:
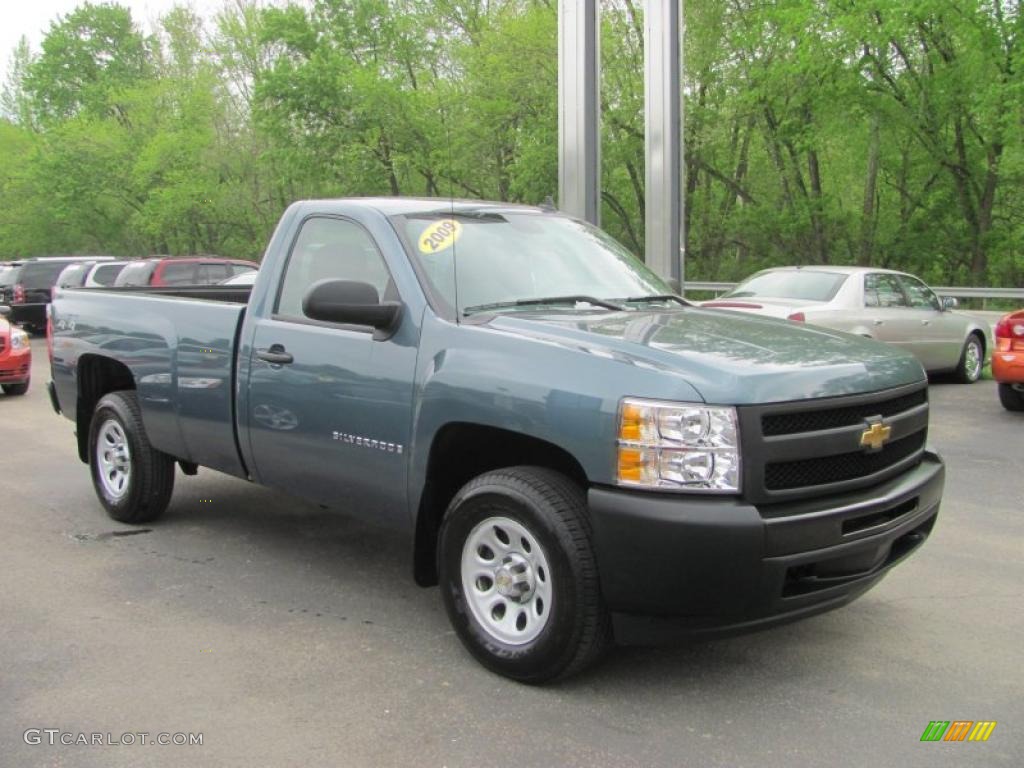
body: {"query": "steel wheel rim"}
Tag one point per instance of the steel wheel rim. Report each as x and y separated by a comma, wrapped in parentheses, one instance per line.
(506, 580)
(114, 459)
(972, 361)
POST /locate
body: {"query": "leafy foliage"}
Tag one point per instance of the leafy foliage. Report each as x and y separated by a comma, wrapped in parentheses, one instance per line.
(817, 131)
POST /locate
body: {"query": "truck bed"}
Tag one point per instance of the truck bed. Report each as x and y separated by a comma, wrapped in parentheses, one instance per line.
(179, 345)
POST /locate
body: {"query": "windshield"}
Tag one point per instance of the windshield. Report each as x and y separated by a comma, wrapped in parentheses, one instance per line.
(73, 276)
(135, 274)
(804, 284)
(518, 257)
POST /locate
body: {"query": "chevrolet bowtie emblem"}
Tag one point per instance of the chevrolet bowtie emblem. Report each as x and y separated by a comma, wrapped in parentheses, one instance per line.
(875, 436)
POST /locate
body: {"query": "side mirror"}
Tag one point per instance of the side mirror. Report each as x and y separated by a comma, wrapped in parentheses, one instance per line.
(351, 303)
(949, 302)
(4, 310)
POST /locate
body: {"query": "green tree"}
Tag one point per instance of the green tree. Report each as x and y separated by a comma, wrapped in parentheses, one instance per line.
(88, 57)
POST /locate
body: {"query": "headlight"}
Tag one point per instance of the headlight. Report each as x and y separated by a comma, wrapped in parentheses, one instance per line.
(678, 446)
(19, 339)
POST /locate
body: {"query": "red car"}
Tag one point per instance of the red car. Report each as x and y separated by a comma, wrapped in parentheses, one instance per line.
(15, 357)
(193, 270)
(1008, 360)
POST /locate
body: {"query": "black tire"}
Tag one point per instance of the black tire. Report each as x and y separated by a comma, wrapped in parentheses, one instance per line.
(963, 373)
(150, 482)
(553, 510)
(16, 389)
(1012, 399)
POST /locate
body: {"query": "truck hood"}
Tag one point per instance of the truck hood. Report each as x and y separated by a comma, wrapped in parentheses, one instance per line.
(728, 357)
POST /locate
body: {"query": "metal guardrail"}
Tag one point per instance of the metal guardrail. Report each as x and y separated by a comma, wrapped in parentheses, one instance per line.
(964, 292)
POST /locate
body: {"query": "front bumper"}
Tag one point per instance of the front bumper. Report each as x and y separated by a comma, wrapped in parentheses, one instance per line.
(15, 366)
(674, 565)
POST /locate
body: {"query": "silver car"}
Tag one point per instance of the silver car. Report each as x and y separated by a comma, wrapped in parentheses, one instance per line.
(878, 303)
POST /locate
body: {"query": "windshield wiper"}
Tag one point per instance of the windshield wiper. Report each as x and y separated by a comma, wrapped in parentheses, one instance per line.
(658, 297)
(548, 300)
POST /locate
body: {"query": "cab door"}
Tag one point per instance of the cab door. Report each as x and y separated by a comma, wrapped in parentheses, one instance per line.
(328, 406)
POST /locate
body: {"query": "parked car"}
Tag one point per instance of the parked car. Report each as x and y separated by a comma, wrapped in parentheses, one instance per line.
(1008, 360)
(33, 286)
(243, 278)
(169, 271)
(570, 466)
(91, 274)
(15, 356)
(877, 303)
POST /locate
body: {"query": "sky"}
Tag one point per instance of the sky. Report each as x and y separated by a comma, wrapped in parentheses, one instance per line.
(32, 18)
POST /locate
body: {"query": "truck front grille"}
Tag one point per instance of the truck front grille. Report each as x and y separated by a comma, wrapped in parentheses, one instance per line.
(784, 475)
(813, 421)
(810, 448)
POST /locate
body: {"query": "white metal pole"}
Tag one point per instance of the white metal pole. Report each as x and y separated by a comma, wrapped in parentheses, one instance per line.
(663, 138)
(579, 134)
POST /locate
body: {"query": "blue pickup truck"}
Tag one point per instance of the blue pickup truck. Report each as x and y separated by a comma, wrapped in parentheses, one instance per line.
(576, 454)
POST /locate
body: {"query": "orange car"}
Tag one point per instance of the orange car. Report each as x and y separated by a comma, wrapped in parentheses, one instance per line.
(1008, 360)
(15, 357)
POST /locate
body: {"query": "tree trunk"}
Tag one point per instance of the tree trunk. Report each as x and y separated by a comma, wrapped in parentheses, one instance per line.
(868, 212)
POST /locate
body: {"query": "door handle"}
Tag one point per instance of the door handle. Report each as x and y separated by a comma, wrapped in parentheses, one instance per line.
(276, 355)
(926, 322)
(878, 322)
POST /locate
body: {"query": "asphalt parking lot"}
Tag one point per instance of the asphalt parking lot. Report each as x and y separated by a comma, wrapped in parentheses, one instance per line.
(292, 636)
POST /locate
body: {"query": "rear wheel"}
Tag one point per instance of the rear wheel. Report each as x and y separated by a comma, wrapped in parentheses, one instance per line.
(518, 575)
(133, 480)
(972, 360)
(16, 389)
(1012, 399)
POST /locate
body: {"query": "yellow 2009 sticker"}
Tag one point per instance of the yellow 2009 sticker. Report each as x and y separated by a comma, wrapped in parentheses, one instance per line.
(440, 235)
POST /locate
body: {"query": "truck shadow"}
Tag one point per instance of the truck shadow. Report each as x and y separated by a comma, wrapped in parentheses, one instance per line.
(321, 565)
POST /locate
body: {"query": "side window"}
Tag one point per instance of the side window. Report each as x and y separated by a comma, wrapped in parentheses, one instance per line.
(106, 275)
(209, 274)
(883, 290)
(921, 296)
(330, 249)
(179, 273)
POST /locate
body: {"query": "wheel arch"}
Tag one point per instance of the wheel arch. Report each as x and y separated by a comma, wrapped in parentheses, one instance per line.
(978, 331)
(461, 451)
(97, 375)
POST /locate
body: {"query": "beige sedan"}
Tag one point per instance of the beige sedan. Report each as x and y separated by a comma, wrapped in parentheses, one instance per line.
(878, 303)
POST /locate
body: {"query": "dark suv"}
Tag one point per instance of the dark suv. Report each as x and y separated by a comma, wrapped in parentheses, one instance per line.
(31, 289)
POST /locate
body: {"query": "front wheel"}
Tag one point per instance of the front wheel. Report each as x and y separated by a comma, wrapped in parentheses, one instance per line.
(16, 389)
(972, 360)
(133, 480)
(1012, 399)
(518, 575)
